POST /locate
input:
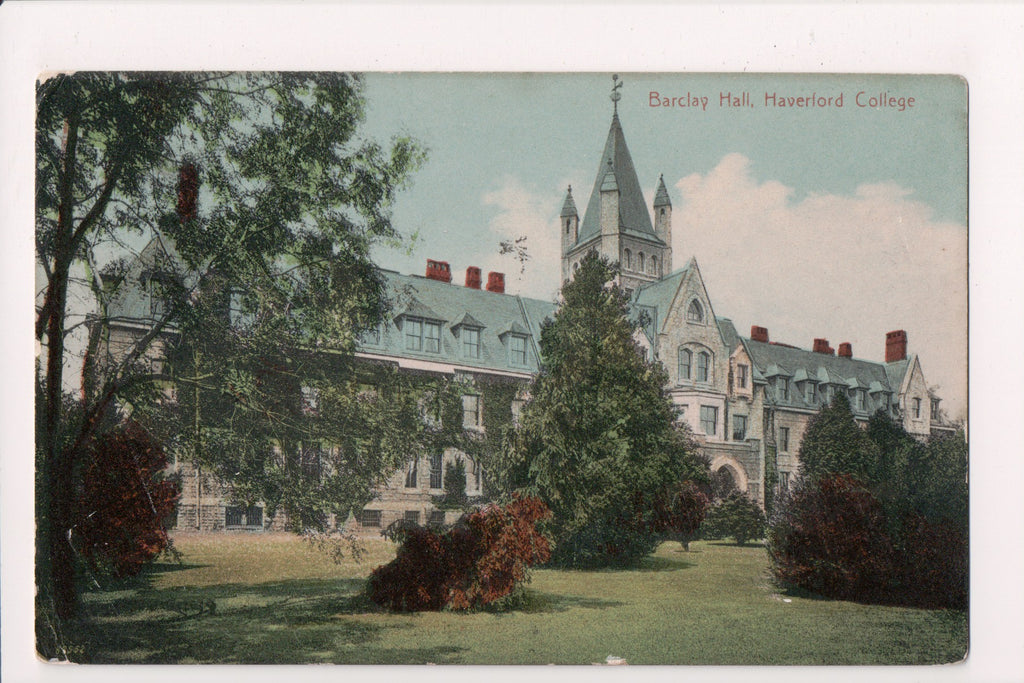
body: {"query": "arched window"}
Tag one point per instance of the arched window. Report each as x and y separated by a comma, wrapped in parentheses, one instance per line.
(703, 361)
(695, 314)
(640, 262)
(654, 265)
(575, 266)
(628, 259)
(568, 222)
(685, 361)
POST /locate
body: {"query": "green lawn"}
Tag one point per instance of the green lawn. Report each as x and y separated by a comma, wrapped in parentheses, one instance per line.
(271, 598)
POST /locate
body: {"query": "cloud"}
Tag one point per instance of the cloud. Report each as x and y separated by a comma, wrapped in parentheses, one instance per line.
(846, 268)
(522, 212)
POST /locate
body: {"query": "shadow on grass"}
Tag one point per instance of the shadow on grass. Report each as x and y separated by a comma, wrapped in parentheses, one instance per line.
(540, 602)
(287, 622)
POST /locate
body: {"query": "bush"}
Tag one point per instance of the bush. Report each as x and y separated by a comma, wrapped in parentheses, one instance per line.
(477, 562)
(736, 516)
(123, 502)
(831, 538)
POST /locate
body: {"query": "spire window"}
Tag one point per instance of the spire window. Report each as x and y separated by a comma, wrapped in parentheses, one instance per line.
(654, 265)
(628, 259)
(640, 262)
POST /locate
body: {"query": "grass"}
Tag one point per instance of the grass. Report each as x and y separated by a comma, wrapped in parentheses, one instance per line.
(273, 599)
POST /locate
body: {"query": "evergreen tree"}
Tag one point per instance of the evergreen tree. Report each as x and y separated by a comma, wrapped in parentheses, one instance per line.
(598, 441)
(834, 444)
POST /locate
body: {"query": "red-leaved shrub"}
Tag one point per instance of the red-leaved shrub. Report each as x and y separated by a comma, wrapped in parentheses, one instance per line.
(933, 560)
(123, 501)
(679, 511)
(472, 564)
(831, 538)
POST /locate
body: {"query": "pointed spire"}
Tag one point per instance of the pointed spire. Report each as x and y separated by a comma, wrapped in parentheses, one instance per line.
(569, 207)
(661, 195)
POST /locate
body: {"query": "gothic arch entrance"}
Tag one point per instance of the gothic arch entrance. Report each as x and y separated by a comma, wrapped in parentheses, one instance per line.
(727, 468)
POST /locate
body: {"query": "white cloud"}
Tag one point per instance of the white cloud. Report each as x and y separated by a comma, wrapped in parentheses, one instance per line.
(846, 268)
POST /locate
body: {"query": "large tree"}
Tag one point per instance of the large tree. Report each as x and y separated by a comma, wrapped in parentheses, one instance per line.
(263, 186)
(834, 444)
(598, 441)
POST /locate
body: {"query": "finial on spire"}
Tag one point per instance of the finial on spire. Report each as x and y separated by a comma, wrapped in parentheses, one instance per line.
(616, 95)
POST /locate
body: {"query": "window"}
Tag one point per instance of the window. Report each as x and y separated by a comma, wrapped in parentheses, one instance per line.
(809, 392)
(654, 265)
(883, 400)
(741, 376)
(917, 409)
(703, 361)
(783, 385)
(470, 342)
(371, 336)
(311, 461)
(238, 516)
(628, 259)
(517, 349)
(739, 427)
(471, 411)
(640, 262)
(436, 518)
(709, 419)
(784, 481)
(517, 409)
(935, 409)
(412, 517)
(858, 399)
(695, 313)
(422, 335)
(412, 475)
(685, 359)
(568, 224)
(369, 518)
(827, 393)
(310, 399)
(436, 473)
(783, 439)
(157, 297)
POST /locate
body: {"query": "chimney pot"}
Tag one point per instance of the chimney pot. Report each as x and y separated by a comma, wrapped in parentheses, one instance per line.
(846, 350)
(895, 346)
(821, 346)
(473, 277)
(496, 282)
(439, 270)
(759, 333)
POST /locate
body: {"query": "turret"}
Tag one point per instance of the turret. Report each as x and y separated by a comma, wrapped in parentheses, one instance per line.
(570, 229)
(663, 224)
(610, 214)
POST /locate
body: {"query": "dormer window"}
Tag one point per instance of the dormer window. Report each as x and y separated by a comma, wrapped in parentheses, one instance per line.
(470, 342)
(741, 376)
(809, 392)
(695, 313)
(858, 399)
(783, 388)
(517, 349)
(935, 409)
(422, 335)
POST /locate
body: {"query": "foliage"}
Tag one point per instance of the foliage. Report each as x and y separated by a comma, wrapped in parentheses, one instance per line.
(895, 534)
(735, 516)
(834, 444)
(124, 502)
(599, 432)
(267, 198)
(454, 485)
(470, 565)
(679, 512)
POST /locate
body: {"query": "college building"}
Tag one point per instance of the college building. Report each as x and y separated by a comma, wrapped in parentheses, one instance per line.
(747, 399)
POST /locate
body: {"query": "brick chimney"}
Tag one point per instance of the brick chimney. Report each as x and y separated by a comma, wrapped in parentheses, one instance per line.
(895, 346)
(473, 277)
(439, 270)
(821, 346)
(846, 350)
(759, 333)
(496, 283)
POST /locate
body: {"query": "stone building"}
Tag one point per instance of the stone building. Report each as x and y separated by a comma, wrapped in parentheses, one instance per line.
(747, 399)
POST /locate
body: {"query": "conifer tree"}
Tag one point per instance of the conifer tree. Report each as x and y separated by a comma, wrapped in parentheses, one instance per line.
(834, 444)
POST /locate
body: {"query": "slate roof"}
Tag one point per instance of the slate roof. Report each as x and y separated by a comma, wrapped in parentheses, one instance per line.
(496, 315)
(660, 293)
(802, 365)
(633, 214)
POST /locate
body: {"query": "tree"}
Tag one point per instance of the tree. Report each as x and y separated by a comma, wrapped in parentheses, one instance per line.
(454, 485)
(736, 516)
(679, 512)
(274, 198)
(834, 444)
(598, 440)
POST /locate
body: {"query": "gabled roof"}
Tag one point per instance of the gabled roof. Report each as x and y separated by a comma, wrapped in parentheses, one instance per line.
(660, 294)
(633, 214)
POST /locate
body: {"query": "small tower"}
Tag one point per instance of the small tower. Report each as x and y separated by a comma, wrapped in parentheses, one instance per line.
(570, 229)
(663, 224)
(610, 214)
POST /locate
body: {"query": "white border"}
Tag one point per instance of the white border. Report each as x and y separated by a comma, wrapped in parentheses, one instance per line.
(983, 43)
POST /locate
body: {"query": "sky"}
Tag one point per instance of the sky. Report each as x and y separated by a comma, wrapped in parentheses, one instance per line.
(830, 219)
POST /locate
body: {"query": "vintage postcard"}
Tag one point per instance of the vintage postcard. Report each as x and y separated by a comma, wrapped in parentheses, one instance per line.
(501, 368)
